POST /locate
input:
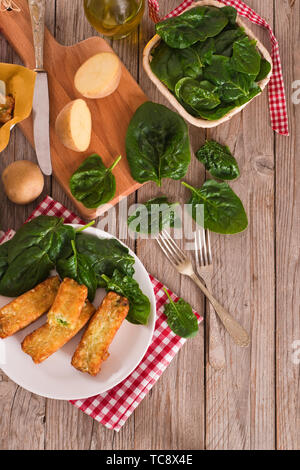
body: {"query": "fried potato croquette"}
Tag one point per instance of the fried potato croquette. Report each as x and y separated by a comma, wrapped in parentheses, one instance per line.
(93, 347)
(28, 307)
(48, 339)
(68, 304)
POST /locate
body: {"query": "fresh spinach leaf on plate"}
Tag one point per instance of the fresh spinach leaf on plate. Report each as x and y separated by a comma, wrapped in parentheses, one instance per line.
(3, 258)
(105, 255)
(78, 267)
(153, 216)
(196, 24)
(198, 95)
(157, 144)
(180, 318)
(169, 64)
(47, 233)
(218, 160)
(223, 209)
(28, 269)
(245, 57)
(92, 183)
(139, 304)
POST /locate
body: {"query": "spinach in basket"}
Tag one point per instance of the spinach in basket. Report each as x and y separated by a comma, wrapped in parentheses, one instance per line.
(154, 215)
(196, 24)
(157, 144)
(92, 183)
(180, 318)
(218, 160)
(170, 65)
(208, 62)
(223, 209)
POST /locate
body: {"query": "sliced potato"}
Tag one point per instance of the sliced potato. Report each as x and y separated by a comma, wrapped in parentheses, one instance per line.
(74, 126)
(99, 76)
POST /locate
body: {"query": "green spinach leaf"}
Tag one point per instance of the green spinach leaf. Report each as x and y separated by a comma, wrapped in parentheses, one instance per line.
(192, 26)
(231, 14)
(78, 267)
(197, 95)
(157, 144)
(223, 210)
(28, 269)
(218, 112)
(92, 183)
(154, 215)
(205, 51)
(3, 258)
(245, 57)
(139, 304)
(224, 41)
(218, 160)
(180, 318)
(265, 69)
(169, 64)
(105, 255)
(47, 233)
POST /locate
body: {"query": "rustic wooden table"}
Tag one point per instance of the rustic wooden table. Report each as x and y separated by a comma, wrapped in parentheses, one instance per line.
(255, 402)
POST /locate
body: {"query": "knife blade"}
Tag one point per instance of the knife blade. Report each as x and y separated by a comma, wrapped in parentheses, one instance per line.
(40, 113)
(40, 108)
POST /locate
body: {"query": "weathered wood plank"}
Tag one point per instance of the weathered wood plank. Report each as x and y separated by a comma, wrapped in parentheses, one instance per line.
(240, 400)
(288, 236)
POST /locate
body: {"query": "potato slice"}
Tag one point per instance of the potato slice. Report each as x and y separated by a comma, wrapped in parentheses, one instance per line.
(74, 126)
(99, 76)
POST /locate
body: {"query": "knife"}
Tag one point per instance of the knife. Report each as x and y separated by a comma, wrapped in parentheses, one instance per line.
(40, 108)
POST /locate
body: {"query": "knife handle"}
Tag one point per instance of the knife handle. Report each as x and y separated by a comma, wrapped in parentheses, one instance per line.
(37, 12)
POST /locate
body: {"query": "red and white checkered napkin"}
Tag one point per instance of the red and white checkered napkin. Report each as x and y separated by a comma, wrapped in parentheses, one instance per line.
(114, 407)
(277, 100)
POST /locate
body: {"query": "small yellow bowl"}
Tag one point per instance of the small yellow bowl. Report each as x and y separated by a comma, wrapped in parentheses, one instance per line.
(20, 84)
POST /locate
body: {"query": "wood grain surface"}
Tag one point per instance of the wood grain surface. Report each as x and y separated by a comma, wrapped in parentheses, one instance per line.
(255, 402)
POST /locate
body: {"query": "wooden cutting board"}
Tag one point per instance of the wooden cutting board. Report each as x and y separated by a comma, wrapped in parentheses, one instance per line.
(110, 115)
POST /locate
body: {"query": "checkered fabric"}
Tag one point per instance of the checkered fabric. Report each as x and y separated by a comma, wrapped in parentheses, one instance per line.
(277, 100)
(114, 407)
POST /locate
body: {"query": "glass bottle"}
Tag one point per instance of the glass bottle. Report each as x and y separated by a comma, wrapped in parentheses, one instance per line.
(114, 18)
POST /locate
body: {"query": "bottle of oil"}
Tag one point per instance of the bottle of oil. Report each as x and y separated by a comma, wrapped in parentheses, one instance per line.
(114, 18)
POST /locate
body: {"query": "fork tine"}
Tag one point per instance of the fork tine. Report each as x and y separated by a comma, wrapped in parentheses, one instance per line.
(200, 246)
(160, 241)
(209, 247)
(174, 245)
(197, 254)
(203, 239)
(177, 259)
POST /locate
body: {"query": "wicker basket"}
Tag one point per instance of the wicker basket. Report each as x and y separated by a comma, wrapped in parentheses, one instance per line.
(171, 98)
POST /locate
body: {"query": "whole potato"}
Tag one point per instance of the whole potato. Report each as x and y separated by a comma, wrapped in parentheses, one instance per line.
(23, 181)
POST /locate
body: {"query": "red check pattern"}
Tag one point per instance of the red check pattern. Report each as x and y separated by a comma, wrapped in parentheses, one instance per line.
(277, 100)
(114, 407)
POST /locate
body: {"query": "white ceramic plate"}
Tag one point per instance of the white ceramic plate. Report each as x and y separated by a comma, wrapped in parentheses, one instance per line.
(56, 378)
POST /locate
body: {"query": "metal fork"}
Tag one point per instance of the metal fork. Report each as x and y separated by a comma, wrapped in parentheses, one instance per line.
(184, 266)
(203, 256)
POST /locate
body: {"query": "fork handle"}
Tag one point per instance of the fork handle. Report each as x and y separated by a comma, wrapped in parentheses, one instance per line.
(216, 354)
(236, 331)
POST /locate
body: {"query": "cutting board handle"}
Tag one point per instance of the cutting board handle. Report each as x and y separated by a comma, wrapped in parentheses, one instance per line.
(16, 28)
